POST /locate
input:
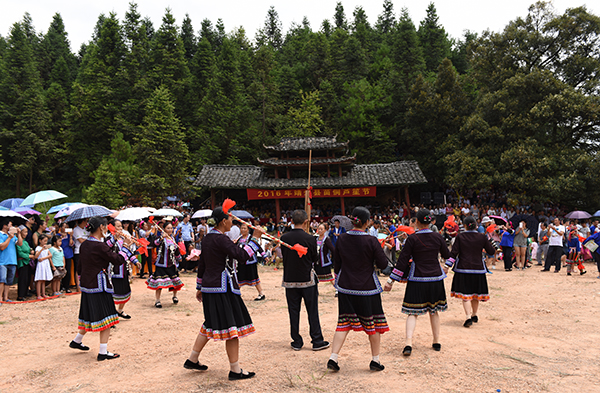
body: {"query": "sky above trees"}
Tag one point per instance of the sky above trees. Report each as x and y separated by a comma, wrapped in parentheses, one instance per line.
(80, 16)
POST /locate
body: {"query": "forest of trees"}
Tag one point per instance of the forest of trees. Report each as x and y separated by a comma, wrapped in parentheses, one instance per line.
(140, 108)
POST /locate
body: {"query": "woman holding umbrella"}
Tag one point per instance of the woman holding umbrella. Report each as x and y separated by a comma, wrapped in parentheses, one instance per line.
(97, 311)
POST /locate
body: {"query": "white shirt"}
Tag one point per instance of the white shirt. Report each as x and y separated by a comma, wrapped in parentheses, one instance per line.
(79, 233)
(555, 238)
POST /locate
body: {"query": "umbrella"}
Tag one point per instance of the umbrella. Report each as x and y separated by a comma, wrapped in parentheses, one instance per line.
(578, 215)
(499, 220)
(26, 210)
(345, 222)
(3, 208)
(57, 208)
(243, 214)
(167, 212)
(531, 222)
(133, 214)
(15, 217)
(42, 196)
(597, 214)
(88, 212)
(65, 211)
(204, 213)
(13, 203)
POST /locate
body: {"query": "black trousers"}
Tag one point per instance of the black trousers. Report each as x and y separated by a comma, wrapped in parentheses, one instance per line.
(553, 257)
(146, 260)
(507, 257)
(294, 298)
(597, 259)
(23, 283)
(66, 281)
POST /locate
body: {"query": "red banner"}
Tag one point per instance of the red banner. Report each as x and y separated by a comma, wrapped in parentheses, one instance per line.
(260, 194)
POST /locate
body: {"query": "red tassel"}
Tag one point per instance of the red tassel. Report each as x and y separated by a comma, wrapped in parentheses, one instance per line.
(143, 242)
(112, 229)
(151, 219)
(301, 250)
(182, 248)
(143, 250)
(227, 205)
(491, 228)
(405, 228)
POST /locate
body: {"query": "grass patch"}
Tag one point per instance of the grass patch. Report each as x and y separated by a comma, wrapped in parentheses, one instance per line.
(37, 373)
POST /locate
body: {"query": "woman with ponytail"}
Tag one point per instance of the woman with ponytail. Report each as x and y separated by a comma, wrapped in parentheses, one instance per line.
(468, 262)
(359, 291)
(97, 311)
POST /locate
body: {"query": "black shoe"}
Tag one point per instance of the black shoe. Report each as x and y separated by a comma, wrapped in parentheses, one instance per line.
(296, 347)
(157, 304)
(123, 315)
(468, 323)
(175, 300)
(407, 350)
(321, 346)
(235, 376)
(194, 366)
(333, 365)
(20, 299)
(474, 319)
(80, 346)
(582, 273)
(436, 347)
(374, 366)
(508, 270)
(568, 274)
(545, 270)
(108, 356)
(259, 298)
(68, 290)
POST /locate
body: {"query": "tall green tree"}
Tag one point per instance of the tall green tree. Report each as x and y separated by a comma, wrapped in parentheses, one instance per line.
(339, 18)
(271, 33)
(433, 39)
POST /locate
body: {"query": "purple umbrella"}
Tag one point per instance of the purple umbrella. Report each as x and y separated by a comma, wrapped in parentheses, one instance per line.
(25, 210)
(578, 215)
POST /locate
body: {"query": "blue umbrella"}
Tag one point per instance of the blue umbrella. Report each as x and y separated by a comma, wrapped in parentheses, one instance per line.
(42, 196)
(57, 208)
(243, 214)
(597, 214)
(88, 212)
(13, 203)
(3, 208)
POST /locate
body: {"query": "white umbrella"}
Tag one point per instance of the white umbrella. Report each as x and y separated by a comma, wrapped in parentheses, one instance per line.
(133, 214)
(167, 212)
(16, 217)
(204, 213)
(66, 211)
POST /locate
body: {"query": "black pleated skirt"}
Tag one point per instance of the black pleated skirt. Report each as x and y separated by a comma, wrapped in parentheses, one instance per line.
(247, 274)
(470, 287)
(324, 274)
(225, 316)
(165, 278)
(122, 289)
(361, 313)
(97, 311)
(422, 297)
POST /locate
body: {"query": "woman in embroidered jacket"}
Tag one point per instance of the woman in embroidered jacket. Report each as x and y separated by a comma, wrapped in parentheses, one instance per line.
(247, 272)
(97, 311)
(165, 274)
(225, 315)
(325, 262)
(425, 291)
(469, 282)
(359, 290)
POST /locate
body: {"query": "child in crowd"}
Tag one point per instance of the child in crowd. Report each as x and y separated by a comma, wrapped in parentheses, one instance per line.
(574, 256)
(58, 262)
(44, 269)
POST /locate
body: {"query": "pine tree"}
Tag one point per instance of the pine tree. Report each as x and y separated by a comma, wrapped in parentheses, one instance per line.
(386, 22)
(270, 34)
(339, 18)
(433, 39)
(160, 149)
(54, 47)
(188, 37)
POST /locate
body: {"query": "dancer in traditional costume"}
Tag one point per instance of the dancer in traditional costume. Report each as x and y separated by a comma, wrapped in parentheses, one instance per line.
(359, 290)
(470, 282)
(97, 311)
(425, 291)
(165, 274)
(247, 272)
(300, 283)
(324, 265)
(120, 275)
(225, 315)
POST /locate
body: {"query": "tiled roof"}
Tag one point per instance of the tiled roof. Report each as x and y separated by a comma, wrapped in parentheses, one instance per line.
(274, 161)
(248, 176)
(306, 144)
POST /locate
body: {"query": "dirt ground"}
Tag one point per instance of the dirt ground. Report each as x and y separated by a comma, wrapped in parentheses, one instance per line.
(538, 333)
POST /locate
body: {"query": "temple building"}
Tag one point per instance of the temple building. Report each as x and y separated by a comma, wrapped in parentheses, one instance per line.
(334, 174)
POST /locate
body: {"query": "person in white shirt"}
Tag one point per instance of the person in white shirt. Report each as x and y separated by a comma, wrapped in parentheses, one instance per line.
(555, 234)
(374, 230)
(234, 232)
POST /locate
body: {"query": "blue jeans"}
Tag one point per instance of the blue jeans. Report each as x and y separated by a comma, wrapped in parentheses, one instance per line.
(7, 274)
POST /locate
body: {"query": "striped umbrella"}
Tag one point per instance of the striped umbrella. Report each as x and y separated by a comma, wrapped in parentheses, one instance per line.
(67, 210)
(89, 212)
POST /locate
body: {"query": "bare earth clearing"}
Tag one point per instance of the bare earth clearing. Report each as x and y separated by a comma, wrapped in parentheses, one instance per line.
(538, 333)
